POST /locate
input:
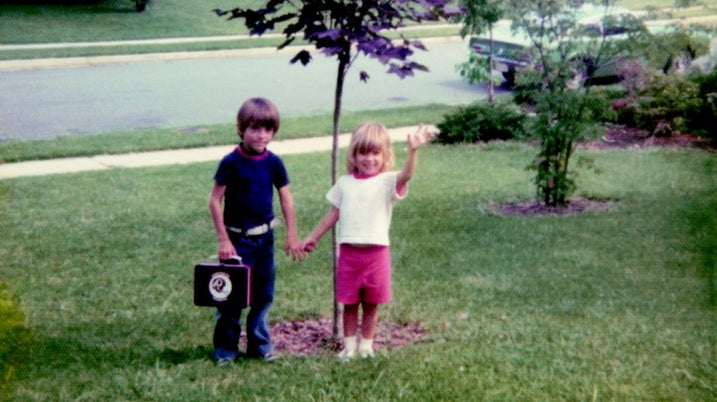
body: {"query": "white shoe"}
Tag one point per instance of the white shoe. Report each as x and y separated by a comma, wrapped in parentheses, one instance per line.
(346, 354)
(366, 353)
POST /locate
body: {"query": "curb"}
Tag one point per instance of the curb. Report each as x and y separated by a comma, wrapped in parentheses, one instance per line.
(68, 62)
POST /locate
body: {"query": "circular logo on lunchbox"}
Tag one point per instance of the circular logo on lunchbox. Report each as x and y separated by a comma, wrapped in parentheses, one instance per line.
(220, 286)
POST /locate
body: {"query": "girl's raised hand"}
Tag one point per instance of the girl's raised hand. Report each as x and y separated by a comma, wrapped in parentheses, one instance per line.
(423, 134)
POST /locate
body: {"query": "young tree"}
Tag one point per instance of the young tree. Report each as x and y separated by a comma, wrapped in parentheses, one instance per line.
(346, 29)
(561, 51)
(548, 24)
(480, 15)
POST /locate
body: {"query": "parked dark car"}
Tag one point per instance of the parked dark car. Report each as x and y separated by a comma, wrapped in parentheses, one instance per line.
(512, 50)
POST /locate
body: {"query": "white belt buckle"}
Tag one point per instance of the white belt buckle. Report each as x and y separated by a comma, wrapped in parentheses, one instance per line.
(257, 230)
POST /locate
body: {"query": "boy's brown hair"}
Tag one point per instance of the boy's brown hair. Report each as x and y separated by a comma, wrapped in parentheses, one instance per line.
(258, 112)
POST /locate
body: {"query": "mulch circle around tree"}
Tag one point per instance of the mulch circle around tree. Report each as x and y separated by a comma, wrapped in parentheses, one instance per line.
(533, 208)
(616, 136)
(311, 337)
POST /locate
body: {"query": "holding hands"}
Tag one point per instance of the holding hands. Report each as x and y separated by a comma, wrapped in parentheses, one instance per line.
(295, 249)
(309, 245)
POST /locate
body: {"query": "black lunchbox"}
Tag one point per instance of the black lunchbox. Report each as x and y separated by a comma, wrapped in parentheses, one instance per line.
(227, 282)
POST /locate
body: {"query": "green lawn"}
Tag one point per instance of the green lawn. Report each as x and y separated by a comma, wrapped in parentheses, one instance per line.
(616, 305)
(96, 268)
(116, 20)
(105, 20)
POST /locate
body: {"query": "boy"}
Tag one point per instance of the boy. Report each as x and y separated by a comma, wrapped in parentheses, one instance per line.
(244, 181)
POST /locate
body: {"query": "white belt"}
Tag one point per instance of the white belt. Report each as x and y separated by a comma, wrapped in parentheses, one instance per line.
(256, 230)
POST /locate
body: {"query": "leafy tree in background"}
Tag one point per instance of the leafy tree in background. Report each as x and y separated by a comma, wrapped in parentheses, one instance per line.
(479, 15)
(562, 112)
(346, 29)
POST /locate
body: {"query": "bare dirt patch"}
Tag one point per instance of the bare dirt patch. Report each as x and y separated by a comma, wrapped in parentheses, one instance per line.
(617, 136)
(311, 337)
(533, 208)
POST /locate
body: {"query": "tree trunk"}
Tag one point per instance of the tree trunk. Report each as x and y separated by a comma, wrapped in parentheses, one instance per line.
(491, 89)
(340, 76)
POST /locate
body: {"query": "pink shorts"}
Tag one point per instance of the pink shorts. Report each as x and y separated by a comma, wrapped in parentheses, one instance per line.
(364, 274)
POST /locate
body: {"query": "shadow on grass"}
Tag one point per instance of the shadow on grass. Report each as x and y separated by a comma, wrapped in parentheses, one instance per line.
(14, 338)
(48, 357)
(179, 356)
(700, 212)
(78, 6)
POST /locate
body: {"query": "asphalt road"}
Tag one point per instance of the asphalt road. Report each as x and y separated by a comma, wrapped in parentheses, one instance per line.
(96, 98)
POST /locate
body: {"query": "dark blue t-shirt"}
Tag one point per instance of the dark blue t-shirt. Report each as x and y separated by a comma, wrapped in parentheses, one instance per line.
(250, 182)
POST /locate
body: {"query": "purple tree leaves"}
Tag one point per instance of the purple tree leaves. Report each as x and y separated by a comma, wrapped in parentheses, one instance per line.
(338, 28)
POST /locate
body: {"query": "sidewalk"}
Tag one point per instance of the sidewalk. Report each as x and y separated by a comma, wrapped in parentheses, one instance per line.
(172, 157)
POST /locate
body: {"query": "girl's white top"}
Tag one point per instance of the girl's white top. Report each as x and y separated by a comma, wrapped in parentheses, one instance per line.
(365, 206)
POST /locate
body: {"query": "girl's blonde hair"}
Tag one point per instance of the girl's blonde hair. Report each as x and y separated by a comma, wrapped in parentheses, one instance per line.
(369, 137)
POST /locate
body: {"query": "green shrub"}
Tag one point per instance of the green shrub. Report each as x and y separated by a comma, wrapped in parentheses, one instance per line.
(599, 100)
(483, 121)
(701, 120)
(660, 105)
(13, 337)
(528, 87)
(562, 119)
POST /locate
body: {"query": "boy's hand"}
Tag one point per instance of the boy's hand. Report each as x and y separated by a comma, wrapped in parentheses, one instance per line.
(226, 250)
(295, 249)
(423, 135)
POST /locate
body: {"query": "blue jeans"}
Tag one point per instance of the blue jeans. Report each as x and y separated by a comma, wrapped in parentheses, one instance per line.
(257, 252)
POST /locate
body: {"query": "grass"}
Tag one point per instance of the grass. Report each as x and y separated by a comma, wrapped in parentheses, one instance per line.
(657, 4)
(115, 20)
(616, 305)
(189, 137)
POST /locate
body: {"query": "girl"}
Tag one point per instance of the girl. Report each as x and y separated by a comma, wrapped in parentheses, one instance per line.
(361, 202)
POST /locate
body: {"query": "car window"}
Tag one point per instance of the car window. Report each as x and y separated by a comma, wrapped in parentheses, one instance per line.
(622, 24)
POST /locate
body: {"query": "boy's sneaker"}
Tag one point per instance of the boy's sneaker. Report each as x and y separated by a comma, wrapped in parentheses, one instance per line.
(269, 357)
(346, 354)
(365, 353)
(224, 361)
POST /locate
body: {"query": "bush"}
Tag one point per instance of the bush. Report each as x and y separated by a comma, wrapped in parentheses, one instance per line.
(483, 121)
(660, 104)
(528, 87)
(599, 100)
(13, 337)
(701, 121)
